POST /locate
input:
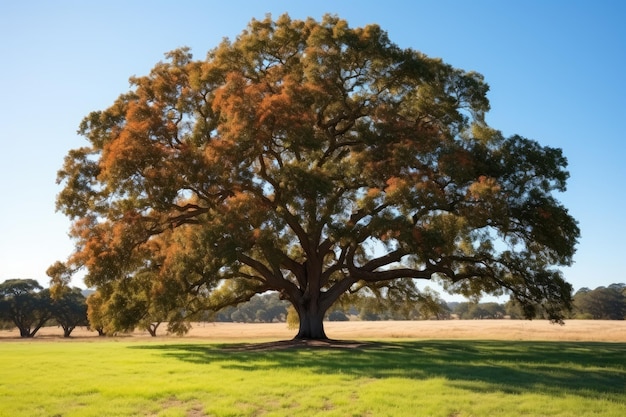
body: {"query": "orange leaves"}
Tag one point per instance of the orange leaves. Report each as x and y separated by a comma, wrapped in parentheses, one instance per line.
(256, 111)
(240, 202)
(243, 212)
(232, 102)
(459, 164)
(373, 192)
(484, 187)
(390, 234)
(290, 102)
(108, 249)
(134, 147)
(145, 126)
(397, 190)
(486, 203)
(394, 185)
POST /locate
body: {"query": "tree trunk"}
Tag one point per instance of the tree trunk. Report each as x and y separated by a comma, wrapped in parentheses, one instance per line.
(310, 304)
(152, 328)
(311, 323)
(67, 331)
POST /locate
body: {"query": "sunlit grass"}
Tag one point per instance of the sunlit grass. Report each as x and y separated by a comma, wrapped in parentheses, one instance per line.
(390, 378)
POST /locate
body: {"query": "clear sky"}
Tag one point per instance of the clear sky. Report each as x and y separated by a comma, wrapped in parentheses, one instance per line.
(556, 71)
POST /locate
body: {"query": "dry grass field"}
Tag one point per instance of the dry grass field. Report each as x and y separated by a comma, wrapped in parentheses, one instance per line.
(539, 330)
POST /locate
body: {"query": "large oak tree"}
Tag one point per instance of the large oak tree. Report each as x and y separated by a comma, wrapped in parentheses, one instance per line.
(315, 160)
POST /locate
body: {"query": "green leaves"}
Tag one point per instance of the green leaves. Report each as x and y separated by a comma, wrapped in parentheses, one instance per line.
(26, 304)
(306, 150)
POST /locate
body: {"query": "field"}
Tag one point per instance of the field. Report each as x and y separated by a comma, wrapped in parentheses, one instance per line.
(573, 330)
(442, 369)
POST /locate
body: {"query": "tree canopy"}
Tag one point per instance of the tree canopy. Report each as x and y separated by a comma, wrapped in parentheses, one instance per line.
(26, 304)
(316, 160)
(602, 303)
(69, 310)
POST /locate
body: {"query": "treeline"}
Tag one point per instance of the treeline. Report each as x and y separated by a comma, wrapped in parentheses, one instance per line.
(602, 303)
(28, 306)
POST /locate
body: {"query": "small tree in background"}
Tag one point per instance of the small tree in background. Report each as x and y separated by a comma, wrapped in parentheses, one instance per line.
(69, 310)
(338, 316)
(26, 304)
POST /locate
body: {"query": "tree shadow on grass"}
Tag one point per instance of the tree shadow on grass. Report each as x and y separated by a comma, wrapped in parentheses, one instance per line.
(554, 368)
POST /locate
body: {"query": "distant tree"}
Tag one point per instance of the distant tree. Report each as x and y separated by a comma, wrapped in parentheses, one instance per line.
(238, 316)
(5, 324)
(337, 316)
(314, 159)
(223, 315)
(262, 316)
(619, 287)
(275, 308)
(265, 308)
(400, 301)
(513, 310)
(69, 310)
(516, 310)
(431, 305)
(602, 303)
(26, 304)
(461, 309)
(490, 310)
(369, 315)
(371, 309)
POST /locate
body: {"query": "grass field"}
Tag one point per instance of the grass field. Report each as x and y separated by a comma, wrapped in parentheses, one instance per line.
(196, 376)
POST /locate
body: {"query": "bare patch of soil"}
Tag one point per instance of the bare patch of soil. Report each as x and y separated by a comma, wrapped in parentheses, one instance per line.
(194, 411)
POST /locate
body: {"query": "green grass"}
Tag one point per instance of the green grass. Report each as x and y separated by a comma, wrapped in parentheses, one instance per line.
(390, 378)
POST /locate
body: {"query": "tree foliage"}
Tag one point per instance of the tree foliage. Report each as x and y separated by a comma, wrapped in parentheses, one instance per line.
(602, 303)
(95, 314)
(264, 308)
(142, 302)
(26, 304)
(69, 310)
(490, 310)
(316, 160)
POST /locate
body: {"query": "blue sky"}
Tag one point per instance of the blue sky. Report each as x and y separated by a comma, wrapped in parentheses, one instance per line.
(555, 68)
